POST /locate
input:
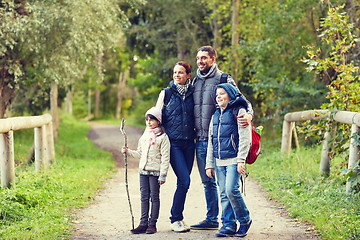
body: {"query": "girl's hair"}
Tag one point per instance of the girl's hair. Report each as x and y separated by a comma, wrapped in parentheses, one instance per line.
(154, 118)
(185, 65)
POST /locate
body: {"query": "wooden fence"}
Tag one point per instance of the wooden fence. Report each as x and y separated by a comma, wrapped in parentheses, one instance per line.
(352, 118)
(43, 144)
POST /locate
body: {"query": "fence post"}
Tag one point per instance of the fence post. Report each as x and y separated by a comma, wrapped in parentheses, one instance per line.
(354, 154)
(40, 153)
(7, 159)
(325, 159)
(286, 137)
(50, 142)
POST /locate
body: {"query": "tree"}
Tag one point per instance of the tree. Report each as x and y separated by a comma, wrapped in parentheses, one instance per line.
(55, 39)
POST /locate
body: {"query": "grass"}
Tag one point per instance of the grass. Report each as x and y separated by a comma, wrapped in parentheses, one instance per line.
(42, 204)
(295, 182)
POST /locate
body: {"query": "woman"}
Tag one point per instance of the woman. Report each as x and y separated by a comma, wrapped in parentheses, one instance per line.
(178, 119)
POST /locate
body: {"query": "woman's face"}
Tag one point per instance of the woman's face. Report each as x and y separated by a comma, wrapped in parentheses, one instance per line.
(222, 98)
(180, 76)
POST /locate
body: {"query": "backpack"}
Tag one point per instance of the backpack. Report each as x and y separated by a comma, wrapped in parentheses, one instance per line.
(255, 147)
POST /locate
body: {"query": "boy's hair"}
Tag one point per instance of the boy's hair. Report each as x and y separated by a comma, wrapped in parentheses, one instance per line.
(209, 49)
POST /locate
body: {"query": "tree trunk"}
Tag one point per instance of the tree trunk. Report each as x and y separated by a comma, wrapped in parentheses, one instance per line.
(54, 108)
(6, 92)
(68, 100)
(120, 88)
(235, 38)
(216, 32)
(97, 103)
(89, 105)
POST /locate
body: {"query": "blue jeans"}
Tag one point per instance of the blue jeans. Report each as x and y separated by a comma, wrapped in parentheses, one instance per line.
(232, 203)
(181, 160)
(211, 194)
(149, 190)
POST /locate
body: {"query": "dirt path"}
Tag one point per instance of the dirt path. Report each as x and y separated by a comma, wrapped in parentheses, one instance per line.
(108, 217)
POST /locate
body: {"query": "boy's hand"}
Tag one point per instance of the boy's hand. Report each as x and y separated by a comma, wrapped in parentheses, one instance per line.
(210, 172)
(244, 120)
(241, 168)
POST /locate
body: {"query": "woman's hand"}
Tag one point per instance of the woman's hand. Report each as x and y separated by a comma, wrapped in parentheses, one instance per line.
(241, 168)
(161, 182)
(124, 149)
(244, 120)
(210, 172)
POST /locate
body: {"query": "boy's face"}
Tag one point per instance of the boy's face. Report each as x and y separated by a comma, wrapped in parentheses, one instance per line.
(222, 98)
(204, 61)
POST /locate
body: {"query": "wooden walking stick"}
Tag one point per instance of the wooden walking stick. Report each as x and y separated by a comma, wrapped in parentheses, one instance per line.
(126, 171)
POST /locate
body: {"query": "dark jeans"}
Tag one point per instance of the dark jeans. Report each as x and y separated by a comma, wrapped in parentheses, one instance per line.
(181, 160)
(211, 193)
(149, 189)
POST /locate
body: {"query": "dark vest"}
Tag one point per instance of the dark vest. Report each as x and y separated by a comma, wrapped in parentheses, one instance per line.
(225, 134)
(178, 115)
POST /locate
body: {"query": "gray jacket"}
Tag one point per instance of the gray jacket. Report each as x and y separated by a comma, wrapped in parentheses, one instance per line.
(205, 101)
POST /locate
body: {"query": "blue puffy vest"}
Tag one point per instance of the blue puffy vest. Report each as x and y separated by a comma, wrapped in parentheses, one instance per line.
(178, 115)
(225, 129)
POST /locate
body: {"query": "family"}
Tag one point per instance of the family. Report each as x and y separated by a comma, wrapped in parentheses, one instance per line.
(206, 116)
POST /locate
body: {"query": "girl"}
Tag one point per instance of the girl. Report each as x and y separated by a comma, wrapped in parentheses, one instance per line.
(154, 153)
(178, 119)
(229, 144)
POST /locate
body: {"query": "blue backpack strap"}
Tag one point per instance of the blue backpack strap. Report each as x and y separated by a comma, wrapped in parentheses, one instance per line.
(223, 78)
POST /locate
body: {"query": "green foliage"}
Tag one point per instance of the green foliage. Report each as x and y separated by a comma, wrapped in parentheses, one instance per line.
(344, 88)
(42, 204)
(295, 183)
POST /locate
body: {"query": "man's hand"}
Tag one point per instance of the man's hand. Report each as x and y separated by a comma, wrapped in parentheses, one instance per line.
(244, 120)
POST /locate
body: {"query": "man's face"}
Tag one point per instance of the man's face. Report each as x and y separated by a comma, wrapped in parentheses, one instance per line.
(204, 61)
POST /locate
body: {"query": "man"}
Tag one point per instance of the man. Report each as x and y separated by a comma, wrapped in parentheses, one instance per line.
(207, 77)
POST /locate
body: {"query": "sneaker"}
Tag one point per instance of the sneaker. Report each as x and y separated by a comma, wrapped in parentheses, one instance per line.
(243, 229)
(205, 225)
(186, 226)
(151, 229)
(139, 229)
(178, 226)
(224, 232)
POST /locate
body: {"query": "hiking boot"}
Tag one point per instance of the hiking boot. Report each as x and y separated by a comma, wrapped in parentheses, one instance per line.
(139, 229)
(205, 225)
(178, 226)
(243, 229)
(224, 232)
(151, 229)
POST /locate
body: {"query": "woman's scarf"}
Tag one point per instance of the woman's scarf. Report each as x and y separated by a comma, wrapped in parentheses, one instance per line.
(182, 89)
(152, 134)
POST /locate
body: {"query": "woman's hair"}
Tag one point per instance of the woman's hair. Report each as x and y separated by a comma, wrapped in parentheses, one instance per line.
(185, 65)
(209, 49)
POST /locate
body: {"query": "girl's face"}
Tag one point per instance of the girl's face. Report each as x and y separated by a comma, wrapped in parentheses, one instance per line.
(180, 77)
(222, 98)
(151, 123)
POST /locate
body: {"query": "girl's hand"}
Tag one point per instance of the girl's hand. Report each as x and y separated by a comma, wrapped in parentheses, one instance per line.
(241, 168)
(210, 172)
(161, 182)
(244, 120)
(124, 149)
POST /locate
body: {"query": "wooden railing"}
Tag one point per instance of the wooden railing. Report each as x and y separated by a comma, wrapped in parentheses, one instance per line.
(351, 118)
(43, 144)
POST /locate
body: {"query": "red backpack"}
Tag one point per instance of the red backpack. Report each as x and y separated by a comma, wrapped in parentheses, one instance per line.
(255, 148)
